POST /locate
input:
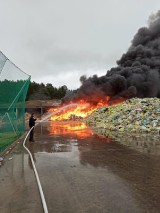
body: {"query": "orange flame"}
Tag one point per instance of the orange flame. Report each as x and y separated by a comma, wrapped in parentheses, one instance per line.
(67, 118)
(76, 111)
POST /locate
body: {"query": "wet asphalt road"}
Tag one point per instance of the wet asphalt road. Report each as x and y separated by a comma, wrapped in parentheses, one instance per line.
(80, 172)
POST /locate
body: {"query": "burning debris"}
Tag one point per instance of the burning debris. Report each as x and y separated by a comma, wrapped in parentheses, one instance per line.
(134, 115)
(74, 111)
(137, 73)
(74, 117)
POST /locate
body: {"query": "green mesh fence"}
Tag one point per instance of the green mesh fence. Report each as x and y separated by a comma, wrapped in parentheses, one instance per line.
(13, 89)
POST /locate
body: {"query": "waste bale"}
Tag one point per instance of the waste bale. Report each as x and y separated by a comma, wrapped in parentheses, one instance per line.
(133, 115)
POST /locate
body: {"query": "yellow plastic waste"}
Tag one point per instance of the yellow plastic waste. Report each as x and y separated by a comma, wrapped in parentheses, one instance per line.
(134, 115)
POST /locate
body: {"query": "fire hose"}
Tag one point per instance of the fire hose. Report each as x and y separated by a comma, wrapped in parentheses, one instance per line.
(35, 170)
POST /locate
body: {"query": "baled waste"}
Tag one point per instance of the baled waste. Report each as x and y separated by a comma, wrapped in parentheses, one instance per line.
(133, 115)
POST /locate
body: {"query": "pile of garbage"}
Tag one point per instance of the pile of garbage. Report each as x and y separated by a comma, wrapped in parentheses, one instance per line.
(133, 115)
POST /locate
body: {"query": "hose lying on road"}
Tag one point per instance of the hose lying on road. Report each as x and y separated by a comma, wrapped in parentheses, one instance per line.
(36, 173)
(34, 167)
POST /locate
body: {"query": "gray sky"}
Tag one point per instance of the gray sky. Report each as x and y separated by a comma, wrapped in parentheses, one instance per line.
(57, 41)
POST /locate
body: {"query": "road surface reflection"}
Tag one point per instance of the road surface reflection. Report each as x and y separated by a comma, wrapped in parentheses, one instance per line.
(131, 163)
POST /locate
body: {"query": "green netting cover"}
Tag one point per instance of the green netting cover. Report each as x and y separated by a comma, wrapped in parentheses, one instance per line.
(13, 89)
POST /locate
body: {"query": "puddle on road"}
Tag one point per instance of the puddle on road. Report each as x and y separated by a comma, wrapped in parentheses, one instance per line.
(64, 136)
(144, 143)
(73, 129)
(61, 136)
(115, 173)
(73, 149)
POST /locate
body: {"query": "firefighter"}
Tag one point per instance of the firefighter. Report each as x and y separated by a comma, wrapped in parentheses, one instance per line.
(31, 126)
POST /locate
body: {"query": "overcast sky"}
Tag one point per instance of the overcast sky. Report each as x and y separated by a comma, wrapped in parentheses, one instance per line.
(57, 41)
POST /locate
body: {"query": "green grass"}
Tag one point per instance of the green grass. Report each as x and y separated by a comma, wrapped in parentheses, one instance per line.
(7, 139)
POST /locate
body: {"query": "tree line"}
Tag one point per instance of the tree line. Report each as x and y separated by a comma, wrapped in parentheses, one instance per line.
(41, 91)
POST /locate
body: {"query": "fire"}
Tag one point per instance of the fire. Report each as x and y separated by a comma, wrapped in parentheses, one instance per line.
(74, 129)
(67, 118)
(76, 111)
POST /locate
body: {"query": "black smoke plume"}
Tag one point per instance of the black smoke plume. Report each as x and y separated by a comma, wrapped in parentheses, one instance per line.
(137, 73)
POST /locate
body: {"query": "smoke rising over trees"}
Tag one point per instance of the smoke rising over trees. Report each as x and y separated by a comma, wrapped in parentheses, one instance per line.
(137, 73)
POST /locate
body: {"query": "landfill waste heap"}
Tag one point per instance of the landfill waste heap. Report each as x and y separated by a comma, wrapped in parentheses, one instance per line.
(133, 115)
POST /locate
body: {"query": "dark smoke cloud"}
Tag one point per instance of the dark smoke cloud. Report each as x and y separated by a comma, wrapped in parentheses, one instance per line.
(137, 73)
